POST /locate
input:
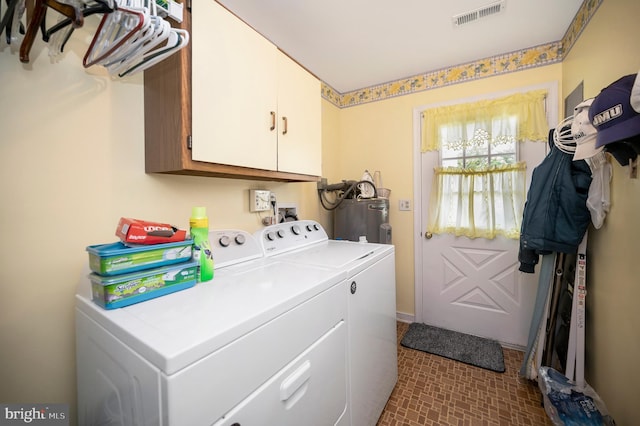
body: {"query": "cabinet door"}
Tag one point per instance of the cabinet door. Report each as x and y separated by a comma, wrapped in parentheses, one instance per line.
(234, 90)
(299, 122)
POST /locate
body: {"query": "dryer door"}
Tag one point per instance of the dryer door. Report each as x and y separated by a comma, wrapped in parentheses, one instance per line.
(311, 390)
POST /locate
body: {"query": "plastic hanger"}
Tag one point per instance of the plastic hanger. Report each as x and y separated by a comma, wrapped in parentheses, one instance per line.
(162, 32)
(114, 30)
(177, 40)
(37, 20)
(11, 18)
(98, 7)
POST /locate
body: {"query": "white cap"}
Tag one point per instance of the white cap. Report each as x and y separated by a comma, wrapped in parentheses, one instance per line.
(635, 94)
(583, 132)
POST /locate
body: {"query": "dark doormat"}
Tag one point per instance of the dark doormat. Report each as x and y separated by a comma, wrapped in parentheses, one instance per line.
(472, 350)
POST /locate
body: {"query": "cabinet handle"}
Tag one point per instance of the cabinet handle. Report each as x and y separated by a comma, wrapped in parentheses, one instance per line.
(284, 131)
(273, 121)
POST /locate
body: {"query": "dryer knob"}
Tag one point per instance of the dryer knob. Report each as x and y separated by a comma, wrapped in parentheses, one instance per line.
(295, 229)
(225, 241)
(309, 228)
(271, 235)
(281, 233)
(240, 239)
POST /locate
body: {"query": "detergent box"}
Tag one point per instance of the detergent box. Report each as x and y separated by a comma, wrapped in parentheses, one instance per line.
(124, 290)
(118, 258)
(137, 231)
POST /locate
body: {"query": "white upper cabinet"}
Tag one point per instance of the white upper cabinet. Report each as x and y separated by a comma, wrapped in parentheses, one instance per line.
(252, 106)
(299, 124)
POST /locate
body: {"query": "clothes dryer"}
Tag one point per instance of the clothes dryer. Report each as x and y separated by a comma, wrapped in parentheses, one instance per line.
(264, 342)
(371, 294)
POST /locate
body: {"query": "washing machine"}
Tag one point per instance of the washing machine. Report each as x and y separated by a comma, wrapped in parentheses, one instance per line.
(371, 296)
(263, 343)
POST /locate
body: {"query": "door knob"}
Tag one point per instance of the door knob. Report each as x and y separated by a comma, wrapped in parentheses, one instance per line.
(428, 235)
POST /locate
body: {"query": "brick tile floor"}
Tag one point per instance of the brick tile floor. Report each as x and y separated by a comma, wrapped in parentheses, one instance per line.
(432, 390)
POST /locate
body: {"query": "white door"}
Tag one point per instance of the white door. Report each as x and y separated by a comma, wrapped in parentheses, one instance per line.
(473, 285)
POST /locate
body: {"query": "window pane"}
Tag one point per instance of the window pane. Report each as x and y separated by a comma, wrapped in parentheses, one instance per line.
(452, 163)
(477, 163)
(504, 148)
(501, 160)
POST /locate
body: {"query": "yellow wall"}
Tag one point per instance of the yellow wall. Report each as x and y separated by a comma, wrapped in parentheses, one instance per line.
(379, 136)
(607, 50)
(71, 164)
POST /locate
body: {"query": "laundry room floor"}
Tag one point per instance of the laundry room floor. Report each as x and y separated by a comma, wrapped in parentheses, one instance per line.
(432, 390)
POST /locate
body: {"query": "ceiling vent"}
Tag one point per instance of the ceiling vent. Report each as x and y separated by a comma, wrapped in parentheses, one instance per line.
(483, 12)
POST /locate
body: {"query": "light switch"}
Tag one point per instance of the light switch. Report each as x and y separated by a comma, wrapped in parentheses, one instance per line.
(404, 205)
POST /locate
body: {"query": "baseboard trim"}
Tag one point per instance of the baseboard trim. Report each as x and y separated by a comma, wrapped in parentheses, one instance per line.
(404, 317)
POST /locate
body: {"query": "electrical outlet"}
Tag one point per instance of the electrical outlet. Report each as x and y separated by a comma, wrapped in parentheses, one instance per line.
(259, 200)
(404, 205)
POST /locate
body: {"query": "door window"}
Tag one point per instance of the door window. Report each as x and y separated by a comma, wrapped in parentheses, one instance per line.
(479, 188)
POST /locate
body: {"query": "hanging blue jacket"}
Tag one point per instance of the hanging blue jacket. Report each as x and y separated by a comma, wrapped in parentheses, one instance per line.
(555, 214)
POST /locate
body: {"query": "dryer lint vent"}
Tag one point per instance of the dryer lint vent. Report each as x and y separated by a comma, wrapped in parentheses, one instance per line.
(483, 12)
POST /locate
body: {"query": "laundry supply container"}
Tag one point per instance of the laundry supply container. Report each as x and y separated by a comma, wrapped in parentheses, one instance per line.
(118, 258)
(122, 290)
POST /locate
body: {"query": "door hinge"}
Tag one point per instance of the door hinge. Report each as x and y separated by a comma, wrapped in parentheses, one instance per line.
(189, 5)
(189, 142)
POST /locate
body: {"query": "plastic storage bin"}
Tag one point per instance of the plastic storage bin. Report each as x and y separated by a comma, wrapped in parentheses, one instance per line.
(117, 258)
(123, 290)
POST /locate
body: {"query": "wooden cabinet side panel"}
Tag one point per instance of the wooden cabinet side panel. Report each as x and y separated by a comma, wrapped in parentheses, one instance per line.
(167, 104)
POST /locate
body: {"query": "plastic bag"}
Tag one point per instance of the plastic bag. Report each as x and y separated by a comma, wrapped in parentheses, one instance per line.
(568, 405)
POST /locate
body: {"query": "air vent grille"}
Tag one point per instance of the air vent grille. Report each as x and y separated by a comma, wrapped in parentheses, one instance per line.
(474, 15)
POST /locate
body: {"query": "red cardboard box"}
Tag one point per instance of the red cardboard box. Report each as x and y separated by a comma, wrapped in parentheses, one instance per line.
(136, 231)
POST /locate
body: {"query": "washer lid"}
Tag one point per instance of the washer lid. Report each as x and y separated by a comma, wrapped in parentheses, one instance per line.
(343, 255)
(175, 330)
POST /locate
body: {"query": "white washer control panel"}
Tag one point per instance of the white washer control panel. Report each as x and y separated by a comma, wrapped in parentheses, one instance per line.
(231, 246)
(283, 237)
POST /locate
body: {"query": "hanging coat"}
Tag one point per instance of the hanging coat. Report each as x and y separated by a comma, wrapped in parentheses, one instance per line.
(555, 214)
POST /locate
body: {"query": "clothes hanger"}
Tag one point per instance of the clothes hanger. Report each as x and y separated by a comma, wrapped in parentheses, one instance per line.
(113, 32)
(37, 20)
(177, 40)
(99, 7)
(9, 19)
(161, 33)
(134, 44)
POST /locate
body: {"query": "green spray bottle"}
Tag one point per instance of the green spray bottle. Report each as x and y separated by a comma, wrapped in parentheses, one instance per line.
(199, 229)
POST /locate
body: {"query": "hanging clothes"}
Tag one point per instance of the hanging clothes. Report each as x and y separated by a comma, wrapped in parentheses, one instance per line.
(555, 214)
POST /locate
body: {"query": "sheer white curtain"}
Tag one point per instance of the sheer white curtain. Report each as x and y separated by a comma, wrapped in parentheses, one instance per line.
(480, 188)
(481, 203)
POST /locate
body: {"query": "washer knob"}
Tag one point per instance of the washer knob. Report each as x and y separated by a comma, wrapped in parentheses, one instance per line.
(240, 239)
(225, 241)
(271, 235)
(281, 233)
(295, 229)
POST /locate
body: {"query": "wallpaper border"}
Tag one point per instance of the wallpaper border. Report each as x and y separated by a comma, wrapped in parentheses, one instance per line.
(531, 57)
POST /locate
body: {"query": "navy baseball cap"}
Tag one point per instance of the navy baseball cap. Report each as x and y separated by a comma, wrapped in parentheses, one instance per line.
(612, 115)
(623, 151)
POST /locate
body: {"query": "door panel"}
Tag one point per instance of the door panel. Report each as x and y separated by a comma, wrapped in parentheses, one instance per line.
(473, 285)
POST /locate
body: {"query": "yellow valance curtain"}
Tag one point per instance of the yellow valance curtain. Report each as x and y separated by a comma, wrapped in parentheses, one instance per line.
(478, 203)
(527, 109)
